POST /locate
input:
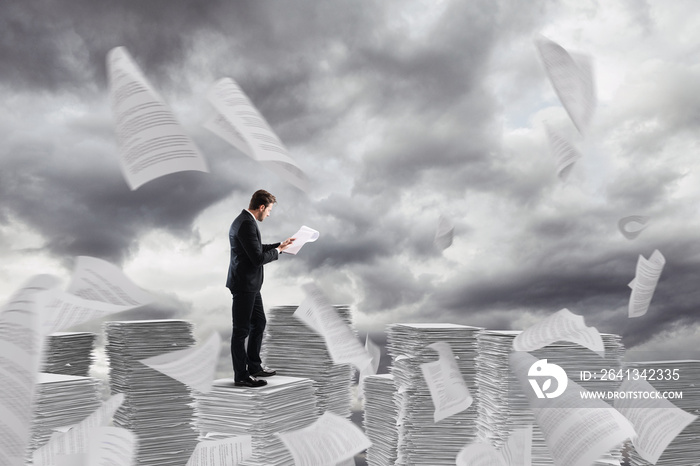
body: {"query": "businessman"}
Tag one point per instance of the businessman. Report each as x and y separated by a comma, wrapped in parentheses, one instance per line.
(245, 278)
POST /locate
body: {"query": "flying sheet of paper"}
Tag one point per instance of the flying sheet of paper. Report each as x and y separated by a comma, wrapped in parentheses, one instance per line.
(480, 454)
(195, 367)
(375, 353)
(517, 450)
(577, 429)
(330, 440)
(226, 452)
(111, 446)
(444, 234)
(97, 289)
(571, 76)
(246, 129)
(317, 312)
(77, 439)
(21, 344)
(632, 226)
(644, 283)
(151, 141)
(560, 326)
(563, 151)
(448, 390)
(656, 421)
(303, 236)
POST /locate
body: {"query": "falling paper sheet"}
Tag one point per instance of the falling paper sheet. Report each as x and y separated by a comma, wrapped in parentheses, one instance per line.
(329, 440)
(245, 128)
(632, 226)
(564, 153)
(644, 283)
(517, 451)
(151, 141)
(195, 367)
(375, 352)
(444, 234)
(317, 312)
(226, 452)
(560, 326)
(578, 428)
(656, 421)
(97, 289)
(77, 438)
(20, 359)
(111, 446)
(301, 237)
(572, 79)
(448, 390)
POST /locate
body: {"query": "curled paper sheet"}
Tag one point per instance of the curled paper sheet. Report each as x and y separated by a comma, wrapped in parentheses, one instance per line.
(517, 451)
(444, 234)
(571, 76)
(563, 151)
(195, 367)
(303, 236)
(448, 390)
(632, 226)
(560, 326)
(375, 353)
(151, 141)
(644, 283)
(240, 124)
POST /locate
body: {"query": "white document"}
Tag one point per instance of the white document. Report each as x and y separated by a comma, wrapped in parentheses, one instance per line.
(226, 452)
(21, 344)
(572, 79)
(77, 438)
(97, 289)
(656, 421)
(632, 226)
(303, 236)
(111, 446)
(246, 129)
(317, 312)
(195, 367)
(644, 283)
(517, 450)
(448, 390)
(563, 151)
(151, 141)
(577, 430)
(480, 454)
(375, 353)
(330, 440)
(560, 326)
(444, 234)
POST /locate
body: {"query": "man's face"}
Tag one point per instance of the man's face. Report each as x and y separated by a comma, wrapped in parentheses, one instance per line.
(263, 212)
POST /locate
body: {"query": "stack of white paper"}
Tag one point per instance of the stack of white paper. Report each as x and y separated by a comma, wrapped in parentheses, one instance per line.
(69, 353)
(157, 408)
(503, 406)
(293, 349)
(381, 416)
(683, 450)
(422, 440)
(59, 401)
(284, 404)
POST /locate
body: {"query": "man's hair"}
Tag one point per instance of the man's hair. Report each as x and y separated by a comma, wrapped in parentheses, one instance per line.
(261, 197)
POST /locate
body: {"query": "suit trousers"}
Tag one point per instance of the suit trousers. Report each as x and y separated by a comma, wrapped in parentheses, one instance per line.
(248, 322)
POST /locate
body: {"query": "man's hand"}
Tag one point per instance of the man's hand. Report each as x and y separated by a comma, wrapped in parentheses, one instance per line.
(285, 244)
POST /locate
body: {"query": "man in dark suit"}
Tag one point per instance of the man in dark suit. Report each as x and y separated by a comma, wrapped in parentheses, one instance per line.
(245, 278)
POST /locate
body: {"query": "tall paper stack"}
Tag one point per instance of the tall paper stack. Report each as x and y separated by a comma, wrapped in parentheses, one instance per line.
(157, 408)
(293, 349)
(381, 416)
(69, 353)
(503, 405)
(60, 401)
(421, 440)
(284, 404)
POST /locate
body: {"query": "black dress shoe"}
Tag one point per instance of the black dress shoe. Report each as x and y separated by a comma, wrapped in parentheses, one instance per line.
(265, 372)
(250, 382)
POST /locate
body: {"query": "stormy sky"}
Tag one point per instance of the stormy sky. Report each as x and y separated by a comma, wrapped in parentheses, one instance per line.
(399, 111)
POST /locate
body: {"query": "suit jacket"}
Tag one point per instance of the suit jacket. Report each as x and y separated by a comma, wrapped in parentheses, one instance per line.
(248, 254)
